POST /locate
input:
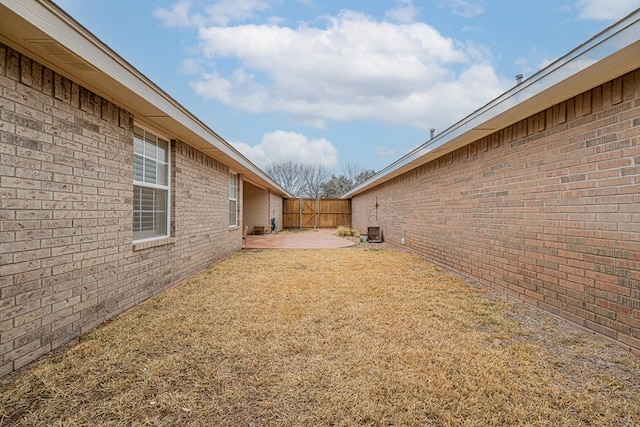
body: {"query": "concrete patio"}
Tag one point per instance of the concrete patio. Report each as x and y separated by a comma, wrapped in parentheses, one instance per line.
(298, 239)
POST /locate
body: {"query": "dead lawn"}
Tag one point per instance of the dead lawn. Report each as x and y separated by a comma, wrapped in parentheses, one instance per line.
(345, 337)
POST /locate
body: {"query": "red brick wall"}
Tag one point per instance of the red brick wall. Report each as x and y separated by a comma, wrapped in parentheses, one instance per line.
(547, 210)
(67, 261)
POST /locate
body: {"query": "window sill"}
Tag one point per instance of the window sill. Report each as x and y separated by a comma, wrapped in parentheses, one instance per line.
(152, 243)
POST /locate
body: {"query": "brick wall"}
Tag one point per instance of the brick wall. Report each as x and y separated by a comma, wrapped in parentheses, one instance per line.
(67, 261)
(547, 210)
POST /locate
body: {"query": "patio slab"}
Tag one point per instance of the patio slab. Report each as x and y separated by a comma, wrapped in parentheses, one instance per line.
(298, 239)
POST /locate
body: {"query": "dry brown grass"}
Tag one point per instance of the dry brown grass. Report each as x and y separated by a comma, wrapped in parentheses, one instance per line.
(328, 337)
(347, 232)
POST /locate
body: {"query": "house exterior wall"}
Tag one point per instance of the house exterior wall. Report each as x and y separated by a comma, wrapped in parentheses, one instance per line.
(67, 258)
(275, 207)
(546, 210)
(256, 208)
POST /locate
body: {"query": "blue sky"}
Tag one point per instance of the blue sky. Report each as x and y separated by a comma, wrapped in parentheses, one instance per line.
(339, 82)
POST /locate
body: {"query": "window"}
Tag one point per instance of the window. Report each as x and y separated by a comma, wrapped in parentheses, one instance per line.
(150, 185)
(233, 200)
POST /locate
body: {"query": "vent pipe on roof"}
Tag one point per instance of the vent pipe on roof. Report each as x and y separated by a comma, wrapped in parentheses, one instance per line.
(519, 78)
(432, 133)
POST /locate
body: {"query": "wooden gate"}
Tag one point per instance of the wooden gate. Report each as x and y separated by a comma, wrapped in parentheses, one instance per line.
(313, 213)
(308, 213)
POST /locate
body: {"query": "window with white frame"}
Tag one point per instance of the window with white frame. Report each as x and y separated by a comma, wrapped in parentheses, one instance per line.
(150, 185)
(233, 200)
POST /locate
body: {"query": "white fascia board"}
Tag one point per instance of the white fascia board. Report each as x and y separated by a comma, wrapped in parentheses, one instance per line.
(546, 88)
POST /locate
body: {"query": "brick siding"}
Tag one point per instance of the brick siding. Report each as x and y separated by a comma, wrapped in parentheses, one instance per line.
(67, 262)
(546, 210)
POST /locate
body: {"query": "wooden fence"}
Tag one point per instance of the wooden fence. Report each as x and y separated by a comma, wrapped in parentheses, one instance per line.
(314, 213)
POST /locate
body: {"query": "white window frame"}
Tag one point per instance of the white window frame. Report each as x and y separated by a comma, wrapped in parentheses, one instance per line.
(154, 185)
(233, 197)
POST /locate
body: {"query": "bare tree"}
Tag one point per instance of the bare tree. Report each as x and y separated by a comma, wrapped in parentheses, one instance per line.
(352, 176)
(299, 179)
(315, 176)
(350, 171)
(336, 186)
(290, 175)
(316, 180)
(363, 176)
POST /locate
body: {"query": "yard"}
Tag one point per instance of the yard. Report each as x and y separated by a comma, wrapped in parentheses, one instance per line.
(347, 337)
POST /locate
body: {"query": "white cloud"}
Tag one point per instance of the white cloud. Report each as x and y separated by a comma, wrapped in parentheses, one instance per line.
(464, 8)
(384, 151)
(226, 11)
(405, 12)
(222, 12)
(177, 16)
(282, 146)
(605, 9)
(352, 69)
